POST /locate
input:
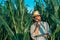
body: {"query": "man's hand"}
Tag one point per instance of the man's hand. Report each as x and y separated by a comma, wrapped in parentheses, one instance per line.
(46, 35)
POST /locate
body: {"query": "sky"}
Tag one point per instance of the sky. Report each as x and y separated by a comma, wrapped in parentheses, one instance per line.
(2, 1)
(29, 3)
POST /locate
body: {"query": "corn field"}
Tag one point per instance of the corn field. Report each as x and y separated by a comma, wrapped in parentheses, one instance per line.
(15, 20)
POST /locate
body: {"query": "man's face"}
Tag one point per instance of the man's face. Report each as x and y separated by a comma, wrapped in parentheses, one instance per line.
(37, 18)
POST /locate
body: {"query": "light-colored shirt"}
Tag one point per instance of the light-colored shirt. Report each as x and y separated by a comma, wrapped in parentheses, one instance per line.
(43, 29)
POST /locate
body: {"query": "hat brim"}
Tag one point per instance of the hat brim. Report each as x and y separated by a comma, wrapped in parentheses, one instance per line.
(35, 15)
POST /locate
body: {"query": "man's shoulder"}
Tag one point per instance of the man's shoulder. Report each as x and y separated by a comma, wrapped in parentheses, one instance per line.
(33, 24)
(44, 22)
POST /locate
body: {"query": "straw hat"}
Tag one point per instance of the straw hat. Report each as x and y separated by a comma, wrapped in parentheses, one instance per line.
(35, 13)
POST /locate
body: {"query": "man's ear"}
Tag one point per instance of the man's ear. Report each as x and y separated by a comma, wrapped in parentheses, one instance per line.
(32, 18)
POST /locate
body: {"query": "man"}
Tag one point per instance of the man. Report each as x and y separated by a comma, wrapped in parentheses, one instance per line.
(39, 30)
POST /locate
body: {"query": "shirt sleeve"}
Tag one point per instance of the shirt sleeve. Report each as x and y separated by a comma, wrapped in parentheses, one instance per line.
(48, 30)
(32, 31)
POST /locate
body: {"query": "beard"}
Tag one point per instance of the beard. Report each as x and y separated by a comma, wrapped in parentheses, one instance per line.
(37, 20)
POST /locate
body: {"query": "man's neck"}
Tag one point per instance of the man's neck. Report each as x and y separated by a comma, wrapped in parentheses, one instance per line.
(38, 22)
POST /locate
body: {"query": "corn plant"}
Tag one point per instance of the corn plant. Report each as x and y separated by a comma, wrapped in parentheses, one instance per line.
(15, 21)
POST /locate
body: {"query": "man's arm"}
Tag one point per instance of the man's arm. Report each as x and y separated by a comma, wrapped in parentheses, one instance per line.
(48, 34)
(32, 31)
